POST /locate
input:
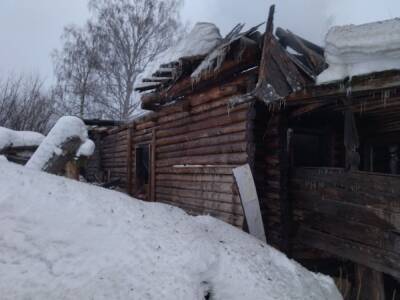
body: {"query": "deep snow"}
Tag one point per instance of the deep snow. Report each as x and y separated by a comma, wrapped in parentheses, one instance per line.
(61, 239)
(355, 50)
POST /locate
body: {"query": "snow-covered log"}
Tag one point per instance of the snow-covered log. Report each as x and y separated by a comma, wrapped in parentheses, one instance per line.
(66, 140)
(63, 239)
(11, 138)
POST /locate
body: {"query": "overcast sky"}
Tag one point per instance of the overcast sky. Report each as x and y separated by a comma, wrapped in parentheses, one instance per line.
(30, 29)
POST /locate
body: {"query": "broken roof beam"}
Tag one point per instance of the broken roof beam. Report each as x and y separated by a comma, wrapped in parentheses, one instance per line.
(157, 79)
(229, 69)
(285, 36)
(98, 122)
(167, 72)
(147, 86)
(312, 53)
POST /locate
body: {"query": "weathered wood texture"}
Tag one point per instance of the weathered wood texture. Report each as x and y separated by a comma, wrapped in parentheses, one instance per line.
(194, 145)
(265, 149)
(354, 215)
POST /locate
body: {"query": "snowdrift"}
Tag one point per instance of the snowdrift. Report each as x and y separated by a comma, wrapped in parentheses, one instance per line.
(61, 239)
(355, 50)
(12, 138)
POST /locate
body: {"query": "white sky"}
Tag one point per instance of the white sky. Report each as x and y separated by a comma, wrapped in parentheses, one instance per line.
(30, 29)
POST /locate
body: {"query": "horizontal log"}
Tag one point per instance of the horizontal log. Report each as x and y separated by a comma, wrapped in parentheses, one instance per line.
(200, 186)
(214, 159)
(196, 170)
(196, 178)
(377, 190)
(212, 122)
(350, 212)
(214, 196)
(218, 140)
(357, 232)
(212, 132)
(221, 149)
(198, 116)
(377, 259)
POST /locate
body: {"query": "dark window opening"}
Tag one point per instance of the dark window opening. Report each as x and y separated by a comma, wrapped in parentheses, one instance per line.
(142, 164)
(312, 149)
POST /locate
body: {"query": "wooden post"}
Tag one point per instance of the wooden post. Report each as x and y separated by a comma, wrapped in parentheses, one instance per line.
(285, 203)
(129, 160)
(153, 167)
(72, 170)
(369, 284)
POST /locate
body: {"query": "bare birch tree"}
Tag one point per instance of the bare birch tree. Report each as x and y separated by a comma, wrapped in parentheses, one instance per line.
(132, 32)
(76, 68)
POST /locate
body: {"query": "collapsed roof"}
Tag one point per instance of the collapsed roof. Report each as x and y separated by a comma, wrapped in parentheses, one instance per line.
(204, 56)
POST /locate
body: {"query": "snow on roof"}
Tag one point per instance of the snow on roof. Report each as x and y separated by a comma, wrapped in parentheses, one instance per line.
(203, 38)
(12, 138)
(62, 239)
(361, 49)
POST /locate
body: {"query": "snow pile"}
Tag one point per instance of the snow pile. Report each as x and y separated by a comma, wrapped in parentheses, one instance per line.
(354, 50)
(11, 138)
(86, 149)
(62, 239)
(203, 38)
(66, 128)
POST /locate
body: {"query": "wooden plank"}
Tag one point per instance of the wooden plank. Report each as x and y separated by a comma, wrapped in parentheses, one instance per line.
(345, 229)
(129, 177)
(193, 185)
(200, 194)
(351, 212)
(219, 149)
(211, 122)
(196, 178)
(217, 140)
(377, 259)
(207, 170)
(153, 167)
(212, 159)
(205, 133)
(250, 203)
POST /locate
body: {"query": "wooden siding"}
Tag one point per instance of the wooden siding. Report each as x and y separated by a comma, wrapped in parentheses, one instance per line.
(355, 215)
(269, 169)
(195, 144)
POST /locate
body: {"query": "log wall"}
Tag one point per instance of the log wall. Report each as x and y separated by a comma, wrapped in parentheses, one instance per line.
(354, 215)
(194, 144)
(269, 169)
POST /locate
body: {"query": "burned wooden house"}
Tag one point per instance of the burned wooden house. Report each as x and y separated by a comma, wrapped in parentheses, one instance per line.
(324, 157)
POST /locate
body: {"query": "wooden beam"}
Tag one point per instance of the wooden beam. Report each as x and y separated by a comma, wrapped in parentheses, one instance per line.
(266, 53)
(184, 87)
(153, 167)
(129, 161)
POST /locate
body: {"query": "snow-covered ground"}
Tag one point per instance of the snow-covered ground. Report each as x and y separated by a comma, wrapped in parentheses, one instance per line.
(355, 50)
(61, 239)
(12, 138)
